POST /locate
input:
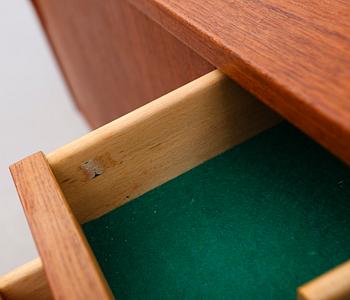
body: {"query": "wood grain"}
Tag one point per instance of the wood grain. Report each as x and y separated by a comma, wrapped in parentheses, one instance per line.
(155, 143)
(294, 55)
(333, 285)
(70, 266)
(114, 58)
(26, 282)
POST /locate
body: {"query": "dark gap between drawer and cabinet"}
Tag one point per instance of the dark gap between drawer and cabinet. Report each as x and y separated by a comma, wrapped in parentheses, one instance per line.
(255, 222)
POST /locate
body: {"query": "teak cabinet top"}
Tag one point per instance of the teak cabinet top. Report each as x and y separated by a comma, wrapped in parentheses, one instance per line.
(294, 55)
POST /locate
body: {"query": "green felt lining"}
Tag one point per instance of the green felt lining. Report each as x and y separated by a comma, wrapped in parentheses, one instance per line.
(253, 223)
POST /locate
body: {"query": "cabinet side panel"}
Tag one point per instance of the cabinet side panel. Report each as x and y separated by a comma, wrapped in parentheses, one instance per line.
(113, 57)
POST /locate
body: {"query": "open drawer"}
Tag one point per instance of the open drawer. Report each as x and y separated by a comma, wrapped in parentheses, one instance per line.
(218, 213)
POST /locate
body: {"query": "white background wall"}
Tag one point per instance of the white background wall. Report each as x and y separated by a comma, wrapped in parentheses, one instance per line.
(36, 113)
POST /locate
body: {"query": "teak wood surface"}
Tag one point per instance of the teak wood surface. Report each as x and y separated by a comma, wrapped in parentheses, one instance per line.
(114, 58)
(69, 264)
(294, 55)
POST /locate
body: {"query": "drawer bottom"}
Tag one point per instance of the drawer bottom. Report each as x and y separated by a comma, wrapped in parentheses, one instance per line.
(253, 223)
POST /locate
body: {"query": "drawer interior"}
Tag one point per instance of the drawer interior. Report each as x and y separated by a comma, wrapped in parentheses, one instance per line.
(255, 222)
(194, 195)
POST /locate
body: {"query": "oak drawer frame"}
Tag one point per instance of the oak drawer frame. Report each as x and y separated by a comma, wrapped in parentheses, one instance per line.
(121, 161)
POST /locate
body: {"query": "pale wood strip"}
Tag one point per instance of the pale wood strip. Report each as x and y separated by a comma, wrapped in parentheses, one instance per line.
(26, 282)
(69, 264)
(156, 143)
(333, 285)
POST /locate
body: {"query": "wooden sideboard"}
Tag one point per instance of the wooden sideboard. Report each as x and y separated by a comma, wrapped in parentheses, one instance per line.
(119, 54)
